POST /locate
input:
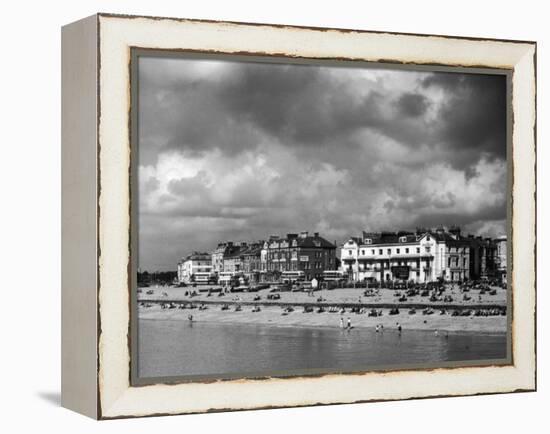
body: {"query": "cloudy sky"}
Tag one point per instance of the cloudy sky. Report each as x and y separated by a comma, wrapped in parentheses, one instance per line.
(238, 151)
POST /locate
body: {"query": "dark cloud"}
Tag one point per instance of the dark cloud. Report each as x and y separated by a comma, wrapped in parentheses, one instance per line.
(465, 218)
(412, 104)
(472, 119)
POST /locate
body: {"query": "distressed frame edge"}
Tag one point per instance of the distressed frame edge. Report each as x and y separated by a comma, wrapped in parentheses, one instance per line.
(531, 47)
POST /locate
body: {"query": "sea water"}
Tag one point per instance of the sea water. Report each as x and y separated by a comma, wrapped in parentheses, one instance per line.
(181, 348)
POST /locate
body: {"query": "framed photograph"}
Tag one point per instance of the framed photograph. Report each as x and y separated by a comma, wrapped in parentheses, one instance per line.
(262, 216)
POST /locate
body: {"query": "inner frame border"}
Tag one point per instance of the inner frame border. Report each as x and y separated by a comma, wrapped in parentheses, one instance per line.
(133, 340)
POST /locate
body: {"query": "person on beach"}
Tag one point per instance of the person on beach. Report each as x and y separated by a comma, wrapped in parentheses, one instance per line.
(349, 323)
(399, 328)
(190, 318)
(341, 322)
(377, 328)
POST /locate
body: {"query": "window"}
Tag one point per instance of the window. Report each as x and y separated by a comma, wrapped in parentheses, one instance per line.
(349, 252)
(373, 252)
(418, 250)
(380, 251)
(428, 249)
(397, 250)
(368, 241)
(362, 252)
(389, 251)
(403, 239)
(407, 250)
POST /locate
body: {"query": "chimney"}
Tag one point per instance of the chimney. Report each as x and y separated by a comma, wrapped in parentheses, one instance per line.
(316, 234)
(303, 234)
(455, 230)
(420, 230)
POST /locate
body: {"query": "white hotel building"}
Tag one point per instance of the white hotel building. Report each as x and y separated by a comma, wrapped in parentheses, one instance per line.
(421, 257)
(195, 268)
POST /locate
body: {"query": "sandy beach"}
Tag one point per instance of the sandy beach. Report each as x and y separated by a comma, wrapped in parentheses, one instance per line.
(274, 315)
(340, 295)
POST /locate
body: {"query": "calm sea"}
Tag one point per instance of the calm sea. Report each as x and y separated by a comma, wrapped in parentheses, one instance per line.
(179, 348)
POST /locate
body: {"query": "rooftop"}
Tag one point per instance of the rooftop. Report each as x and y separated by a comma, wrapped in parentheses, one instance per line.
(304, 240)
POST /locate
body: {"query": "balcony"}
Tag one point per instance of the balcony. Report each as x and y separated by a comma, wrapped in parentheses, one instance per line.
(401, 256)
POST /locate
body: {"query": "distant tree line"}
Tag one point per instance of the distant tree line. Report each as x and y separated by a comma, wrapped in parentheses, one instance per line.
(156, 277)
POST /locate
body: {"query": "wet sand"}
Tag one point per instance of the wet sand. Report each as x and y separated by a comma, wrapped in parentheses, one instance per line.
(273, 315)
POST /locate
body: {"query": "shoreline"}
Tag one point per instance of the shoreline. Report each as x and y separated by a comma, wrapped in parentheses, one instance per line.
(328, 327)
(273, 316)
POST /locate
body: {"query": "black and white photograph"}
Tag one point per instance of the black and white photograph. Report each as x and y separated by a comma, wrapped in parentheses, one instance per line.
(278, 217)
(300, 218)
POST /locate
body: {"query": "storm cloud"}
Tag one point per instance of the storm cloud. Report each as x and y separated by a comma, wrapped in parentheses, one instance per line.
(241, 150)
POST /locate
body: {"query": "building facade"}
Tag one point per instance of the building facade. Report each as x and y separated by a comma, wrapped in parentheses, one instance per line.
(232, 259)
(423, 256)
(195, 268)
(229, 259)
(218, 255)
(501, 257)
(309, 255)
(251, 261)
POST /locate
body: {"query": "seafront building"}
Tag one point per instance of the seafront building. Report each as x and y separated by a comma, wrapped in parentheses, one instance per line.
(422, 256)
(501, 259)
(230, 259)
(222, 251)
(251, 261)
(195, 268)
(297, 257)
(294, 257)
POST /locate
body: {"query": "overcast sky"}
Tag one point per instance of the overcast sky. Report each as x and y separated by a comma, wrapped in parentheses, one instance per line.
(239, 151)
